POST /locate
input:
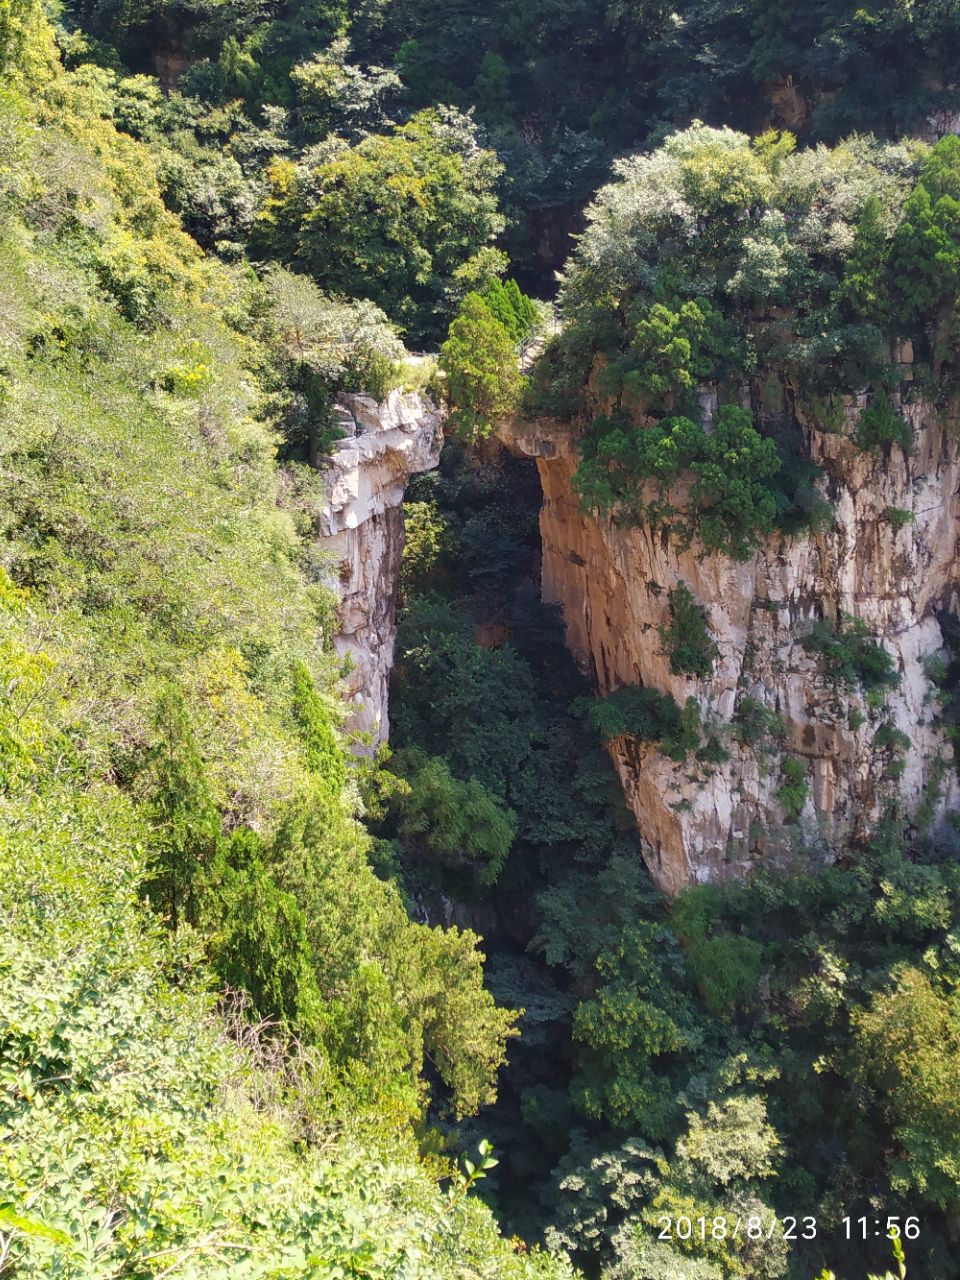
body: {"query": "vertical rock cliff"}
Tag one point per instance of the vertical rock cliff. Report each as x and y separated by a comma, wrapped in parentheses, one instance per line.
(701, 821)
(361, 528)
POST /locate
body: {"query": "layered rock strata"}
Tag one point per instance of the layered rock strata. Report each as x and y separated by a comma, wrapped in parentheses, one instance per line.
(703, 821)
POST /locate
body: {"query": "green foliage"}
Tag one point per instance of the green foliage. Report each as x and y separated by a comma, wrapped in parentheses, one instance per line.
(515, 311)
(170, 713)
(479, 361)
(663, 347)
(454, 685)
(259, 939)
(687, 641)
(315, 347)
(183, 812)
(669, 352)
(898, 1255)
(429, 544)
(724, 967)
(779, 964)
(596, 1190)
(898, 517)
(730, 506)
(390, 219)
(451, 821)
(794, 789)
(709, 275)
(168, 738)
(331, 95)
(925, 256)
(943, 672)
(130, 1119)
(636, 1020)
(907, 1050)
(889, 738)
(649, 716)
(755, 723)
(322, 753)
(865, 287)
(880, 426)
(850, 656)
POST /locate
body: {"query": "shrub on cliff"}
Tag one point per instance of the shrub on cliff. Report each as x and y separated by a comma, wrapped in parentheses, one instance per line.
(687, 641)
(316, 346)
(880, 426)
(648, 716)
(850, 655)
(793, 790)
(730, 506)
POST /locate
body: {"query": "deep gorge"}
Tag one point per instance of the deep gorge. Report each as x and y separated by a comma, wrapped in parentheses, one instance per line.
(479, 640)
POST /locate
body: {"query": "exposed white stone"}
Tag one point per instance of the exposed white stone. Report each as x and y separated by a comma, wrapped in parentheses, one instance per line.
(613, 582)
(361, 526)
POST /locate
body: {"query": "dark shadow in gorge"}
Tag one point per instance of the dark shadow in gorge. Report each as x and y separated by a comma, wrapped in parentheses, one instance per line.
(483, 680)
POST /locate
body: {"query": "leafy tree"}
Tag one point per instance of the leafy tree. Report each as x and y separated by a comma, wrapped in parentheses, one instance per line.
(471, 705)
(670, 351)
(319, 346)
(628, 1035)
(452, 821)
(595, 1191)
(649, 716)
(515, 311)
(755, 722)
(429, 545)
(865, 286)
(185, 815)
(907, 1049)
(491, 88)
(390, 219)
(182, 741)
(479, 359)
(725, 967)
(333, 95)
(925, 256)
(259, 941)
(323, 754)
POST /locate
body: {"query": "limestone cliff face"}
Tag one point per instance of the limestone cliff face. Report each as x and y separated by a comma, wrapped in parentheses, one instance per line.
(361, 528)
(701, 822)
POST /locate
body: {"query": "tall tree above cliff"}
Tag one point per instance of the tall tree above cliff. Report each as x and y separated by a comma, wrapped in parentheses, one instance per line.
(392, 219)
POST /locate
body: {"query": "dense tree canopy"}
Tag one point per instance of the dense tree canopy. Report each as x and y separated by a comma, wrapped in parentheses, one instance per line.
(392, 219)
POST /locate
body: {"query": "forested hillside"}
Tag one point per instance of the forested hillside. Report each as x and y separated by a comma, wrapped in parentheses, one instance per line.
(219, 1027)
(638, 917)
